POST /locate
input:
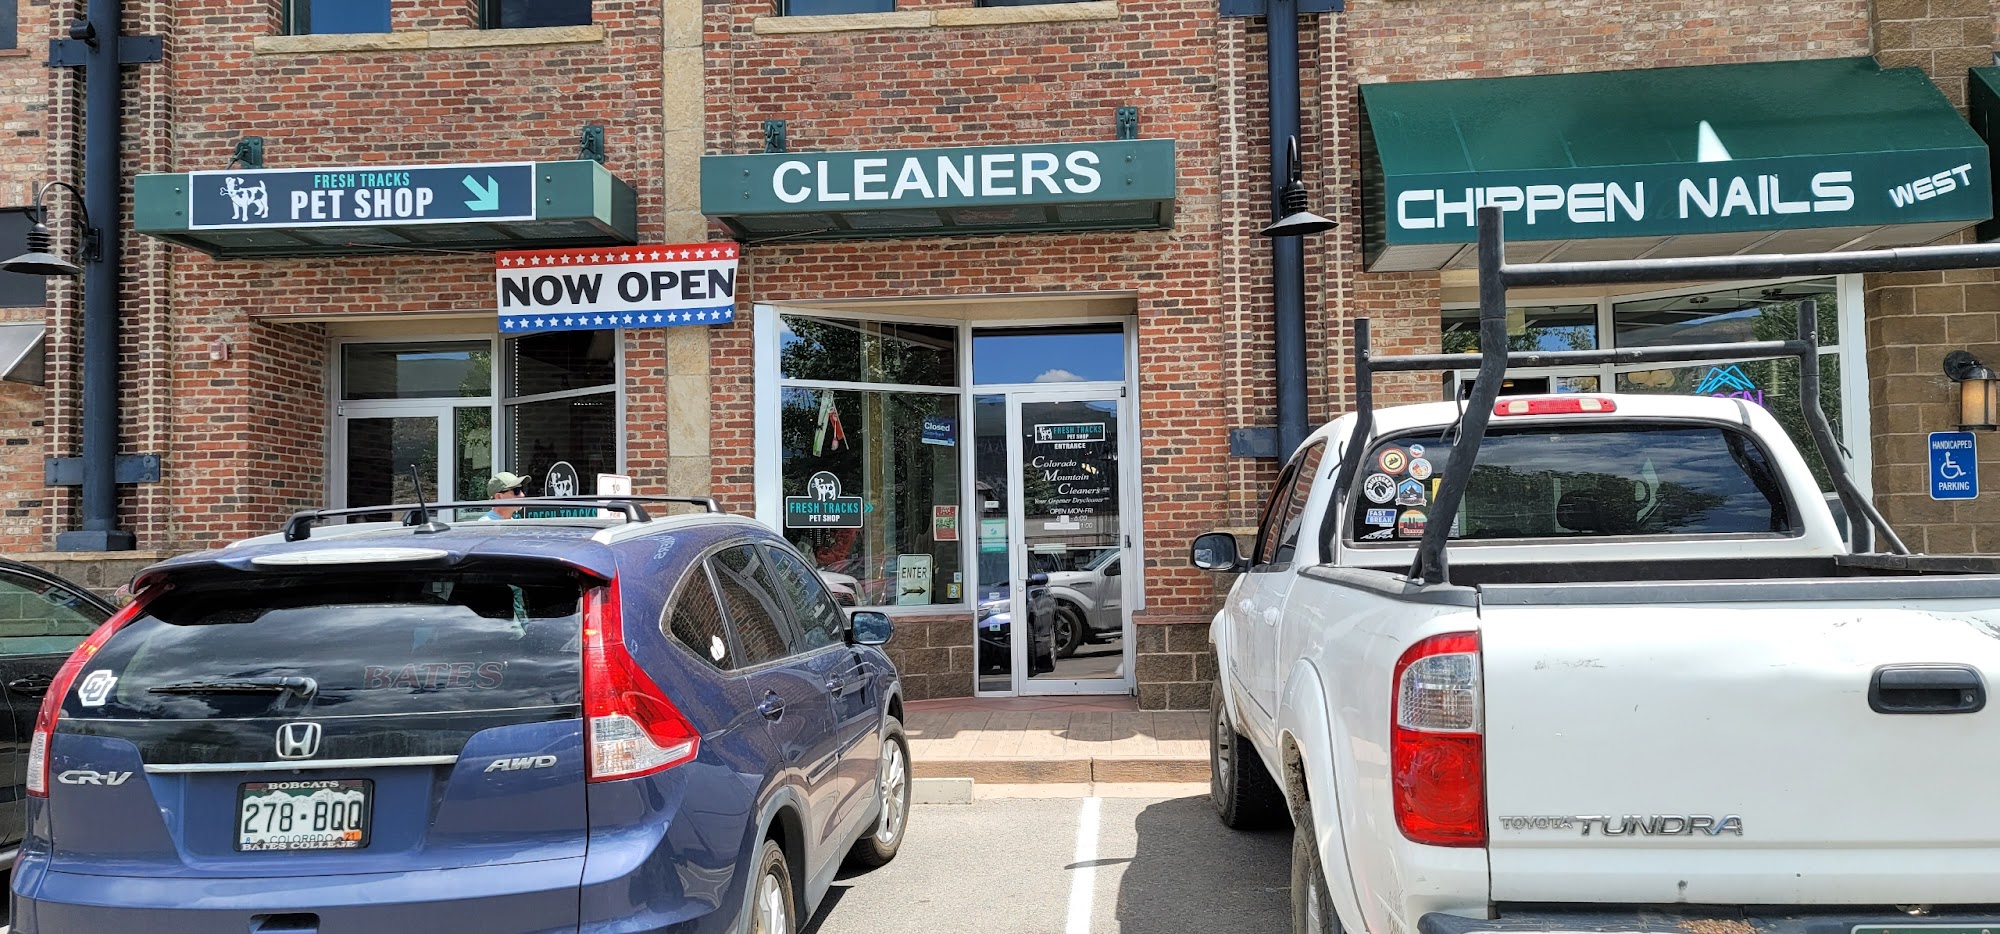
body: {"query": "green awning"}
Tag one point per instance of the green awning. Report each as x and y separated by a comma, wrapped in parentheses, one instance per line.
(1774, 157)
(364, 209)
(1983, 106)
(1110, 185)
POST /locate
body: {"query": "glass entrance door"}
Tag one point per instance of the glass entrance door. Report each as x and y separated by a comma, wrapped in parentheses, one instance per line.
(451, 447)
(1052, 543)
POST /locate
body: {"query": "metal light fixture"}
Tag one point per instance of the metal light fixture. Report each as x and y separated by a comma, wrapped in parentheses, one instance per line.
(1298, 221)
(1978, 391)
(41, 260)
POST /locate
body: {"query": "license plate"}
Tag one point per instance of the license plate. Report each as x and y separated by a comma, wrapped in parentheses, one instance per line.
(1927, 928)
(303, 815)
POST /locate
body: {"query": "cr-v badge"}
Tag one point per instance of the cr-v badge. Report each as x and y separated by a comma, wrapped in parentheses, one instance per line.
(298, 740)
(90, 777)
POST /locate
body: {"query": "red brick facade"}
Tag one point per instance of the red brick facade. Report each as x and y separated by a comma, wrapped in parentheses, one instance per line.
(226, 371)
(23, 154)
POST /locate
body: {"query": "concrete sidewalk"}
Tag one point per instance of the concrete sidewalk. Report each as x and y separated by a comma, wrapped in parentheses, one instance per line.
(1032, 740)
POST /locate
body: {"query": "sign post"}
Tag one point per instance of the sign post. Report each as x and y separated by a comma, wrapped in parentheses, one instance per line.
(1954, 465)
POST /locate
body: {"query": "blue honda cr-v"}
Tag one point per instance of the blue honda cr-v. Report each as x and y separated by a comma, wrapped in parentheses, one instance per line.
(632, 724)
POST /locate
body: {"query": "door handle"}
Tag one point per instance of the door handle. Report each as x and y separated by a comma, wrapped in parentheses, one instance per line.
(772, 706)
(1271, 615)
(33, 687)
(1245, 606)
(1919, 689)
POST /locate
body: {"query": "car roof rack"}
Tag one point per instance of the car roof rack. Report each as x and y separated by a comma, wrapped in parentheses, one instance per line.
(1496, 276)
(299, 526)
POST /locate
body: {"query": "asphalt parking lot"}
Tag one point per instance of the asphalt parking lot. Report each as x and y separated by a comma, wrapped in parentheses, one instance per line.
(1090, 865)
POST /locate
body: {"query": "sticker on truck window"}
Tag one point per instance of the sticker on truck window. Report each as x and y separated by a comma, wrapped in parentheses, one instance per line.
(1381, 517)
(1379, 488)
(1410, 524)
(1377, 536)
(1416, 450)
(1392, 460)
(1420, 469)
(1410, 493)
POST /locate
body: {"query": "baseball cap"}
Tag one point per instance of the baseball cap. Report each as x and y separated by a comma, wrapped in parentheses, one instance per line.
(504, 481)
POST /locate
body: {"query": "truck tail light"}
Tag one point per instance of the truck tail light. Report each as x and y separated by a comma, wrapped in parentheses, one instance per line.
(51, 709)
(1437, 752)
(630, 726)
(1554, 405)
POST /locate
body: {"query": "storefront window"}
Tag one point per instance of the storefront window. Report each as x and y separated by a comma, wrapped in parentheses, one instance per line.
(870, 476)
(1762, 312)
(846, 351)
(1556, 327)
(1048, 355)
(561, 409)
(461, 369)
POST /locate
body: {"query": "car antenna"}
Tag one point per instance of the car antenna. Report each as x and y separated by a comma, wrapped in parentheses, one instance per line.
(430, 526)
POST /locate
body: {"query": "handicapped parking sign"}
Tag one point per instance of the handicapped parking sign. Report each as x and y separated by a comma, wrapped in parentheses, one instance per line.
(1954, 465)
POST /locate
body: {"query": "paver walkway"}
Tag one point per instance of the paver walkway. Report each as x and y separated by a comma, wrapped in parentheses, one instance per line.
(1066, 739)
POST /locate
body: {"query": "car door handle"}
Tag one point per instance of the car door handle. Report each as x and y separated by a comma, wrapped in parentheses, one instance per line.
(1921, 689)
(1245, 606)
(841, 687)
(1271, 615)
(772, 706)
(33, 687)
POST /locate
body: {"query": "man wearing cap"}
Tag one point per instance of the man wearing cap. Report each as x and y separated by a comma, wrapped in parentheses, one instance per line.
(504, 485)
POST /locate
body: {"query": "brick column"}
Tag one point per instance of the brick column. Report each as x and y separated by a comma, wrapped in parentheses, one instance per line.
(1914, 319)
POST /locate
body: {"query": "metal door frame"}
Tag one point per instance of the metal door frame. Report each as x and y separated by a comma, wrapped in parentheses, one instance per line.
(444, 410)
(1017, 549)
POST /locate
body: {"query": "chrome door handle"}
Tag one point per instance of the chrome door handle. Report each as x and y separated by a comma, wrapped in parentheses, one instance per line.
(772, 706)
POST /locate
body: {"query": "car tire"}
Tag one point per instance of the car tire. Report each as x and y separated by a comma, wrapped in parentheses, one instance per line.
(1245, 796)
(773, 902)
(1312, 902)
(885, 837)
(1071, 632)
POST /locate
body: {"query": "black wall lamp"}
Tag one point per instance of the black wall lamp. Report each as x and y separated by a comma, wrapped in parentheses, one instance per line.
(1978, 391)
(1297, 221)
(41, 260)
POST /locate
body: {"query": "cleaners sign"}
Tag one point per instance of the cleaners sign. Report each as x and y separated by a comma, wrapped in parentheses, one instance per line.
(361, 196)
(616, 287)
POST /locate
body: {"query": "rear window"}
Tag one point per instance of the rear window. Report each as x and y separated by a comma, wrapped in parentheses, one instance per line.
(342, 645)
(1578, 482)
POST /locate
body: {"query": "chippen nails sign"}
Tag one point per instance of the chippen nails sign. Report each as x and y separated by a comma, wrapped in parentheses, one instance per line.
(1857, 190)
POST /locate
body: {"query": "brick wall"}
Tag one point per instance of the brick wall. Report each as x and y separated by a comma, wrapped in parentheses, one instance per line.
(1048, 82)
(244, 433)
(23, 152)
(1914, 319)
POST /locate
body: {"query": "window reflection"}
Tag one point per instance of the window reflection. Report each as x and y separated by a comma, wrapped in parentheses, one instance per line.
(1049, 355)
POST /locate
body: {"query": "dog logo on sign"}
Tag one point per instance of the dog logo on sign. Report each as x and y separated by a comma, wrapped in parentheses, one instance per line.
(243, 199)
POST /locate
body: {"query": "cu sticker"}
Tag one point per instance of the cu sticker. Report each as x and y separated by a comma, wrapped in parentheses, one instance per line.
(96, 688)
(1392, 460)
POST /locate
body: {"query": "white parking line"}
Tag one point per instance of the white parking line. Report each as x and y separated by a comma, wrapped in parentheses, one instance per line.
(1083, 885)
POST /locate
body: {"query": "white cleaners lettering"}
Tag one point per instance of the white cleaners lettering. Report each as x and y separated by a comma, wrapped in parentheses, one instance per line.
(921, 177)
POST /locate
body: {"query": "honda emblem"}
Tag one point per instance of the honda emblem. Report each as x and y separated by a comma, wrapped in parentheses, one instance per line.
(298, 740)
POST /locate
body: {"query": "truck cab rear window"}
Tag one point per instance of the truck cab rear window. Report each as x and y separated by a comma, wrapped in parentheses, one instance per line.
(339, 644)
(1577, 482)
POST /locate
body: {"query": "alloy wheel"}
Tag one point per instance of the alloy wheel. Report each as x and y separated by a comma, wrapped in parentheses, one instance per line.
(895, 792)
(771, 909)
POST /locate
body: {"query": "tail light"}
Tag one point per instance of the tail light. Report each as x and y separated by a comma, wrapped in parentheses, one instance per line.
(630, 726)
(1437, 752)
(45, 719)
(1559, 405)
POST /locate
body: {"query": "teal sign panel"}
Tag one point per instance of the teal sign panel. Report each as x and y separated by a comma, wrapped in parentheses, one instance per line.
(1118, 184)
(370, 195)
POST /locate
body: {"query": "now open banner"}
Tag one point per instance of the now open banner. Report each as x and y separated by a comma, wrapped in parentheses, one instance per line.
(616, 287)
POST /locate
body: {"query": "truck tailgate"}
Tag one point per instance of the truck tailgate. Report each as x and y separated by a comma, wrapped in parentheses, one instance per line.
(1728, 753)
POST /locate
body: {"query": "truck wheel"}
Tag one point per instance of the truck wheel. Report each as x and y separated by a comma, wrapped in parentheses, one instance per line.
(1312, 905)
(1069, 630)
(1243, 792)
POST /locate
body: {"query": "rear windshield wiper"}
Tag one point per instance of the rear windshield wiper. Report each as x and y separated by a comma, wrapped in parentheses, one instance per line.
(302, 686)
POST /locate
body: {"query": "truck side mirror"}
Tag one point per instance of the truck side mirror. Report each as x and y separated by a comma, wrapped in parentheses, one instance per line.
(1215, 551)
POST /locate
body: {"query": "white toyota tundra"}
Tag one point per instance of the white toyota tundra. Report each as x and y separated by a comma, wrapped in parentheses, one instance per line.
(1655, 690)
